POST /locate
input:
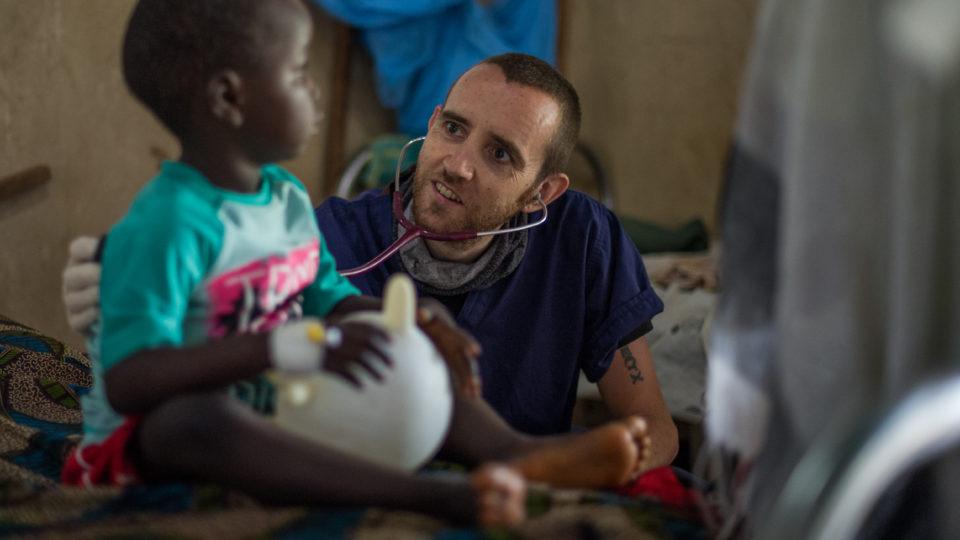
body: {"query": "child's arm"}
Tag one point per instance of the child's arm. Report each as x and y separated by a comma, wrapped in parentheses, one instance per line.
(333, 296)
(456, 346)
(149, 377)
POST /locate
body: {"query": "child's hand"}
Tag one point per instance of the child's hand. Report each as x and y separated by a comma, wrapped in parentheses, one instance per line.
(456, 346)
(308, 345)
(359, 344)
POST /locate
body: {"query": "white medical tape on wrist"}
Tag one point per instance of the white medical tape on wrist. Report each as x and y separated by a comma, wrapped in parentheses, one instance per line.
(298, 346)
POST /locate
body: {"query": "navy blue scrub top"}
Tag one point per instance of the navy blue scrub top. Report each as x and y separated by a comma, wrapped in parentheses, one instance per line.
(580, 289)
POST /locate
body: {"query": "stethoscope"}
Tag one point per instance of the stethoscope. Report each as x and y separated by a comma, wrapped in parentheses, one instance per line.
(412, 231)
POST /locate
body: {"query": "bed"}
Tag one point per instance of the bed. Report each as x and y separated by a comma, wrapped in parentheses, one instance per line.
(40, 419)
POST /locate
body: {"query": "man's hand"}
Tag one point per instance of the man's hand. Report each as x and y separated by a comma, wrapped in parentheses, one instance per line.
(456, 346)
(81, 284)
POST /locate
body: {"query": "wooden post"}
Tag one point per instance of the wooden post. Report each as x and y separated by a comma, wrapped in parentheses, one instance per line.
(563, 23)
(334, 153)
(24, 180)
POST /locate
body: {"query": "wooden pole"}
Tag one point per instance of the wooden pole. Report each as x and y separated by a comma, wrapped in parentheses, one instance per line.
(24, 180)
(563, 23)
(334, 154)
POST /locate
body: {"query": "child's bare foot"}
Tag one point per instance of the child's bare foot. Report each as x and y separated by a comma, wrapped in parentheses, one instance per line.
(501, 495)
(608, 456)
(638, 432)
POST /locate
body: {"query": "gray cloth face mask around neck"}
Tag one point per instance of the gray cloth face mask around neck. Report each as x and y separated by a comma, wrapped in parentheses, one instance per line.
(447, 278)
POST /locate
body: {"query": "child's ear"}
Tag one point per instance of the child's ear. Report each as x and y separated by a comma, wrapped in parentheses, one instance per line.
(225, 97)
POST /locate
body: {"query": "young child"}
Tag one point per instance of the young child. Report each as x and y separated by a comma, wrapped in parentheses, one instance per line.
(204, 282)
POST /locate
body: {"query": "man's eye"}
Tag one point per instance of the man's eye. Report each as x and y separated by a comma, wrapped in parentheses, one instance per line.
(452, 128)
(501, 155)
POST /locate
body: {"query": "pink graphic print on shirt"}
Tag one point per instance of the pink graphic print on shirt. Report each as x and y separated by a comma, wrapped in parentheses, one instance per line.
(262, 294)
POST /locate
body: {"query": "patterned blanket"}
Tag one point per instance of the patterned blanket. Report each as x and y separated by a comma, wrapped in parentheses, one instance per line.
(40, 420)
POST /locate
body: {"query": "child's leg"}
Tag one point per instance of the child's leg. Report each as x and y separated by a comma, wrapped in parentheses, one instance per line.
(604, 457)
(213, 437)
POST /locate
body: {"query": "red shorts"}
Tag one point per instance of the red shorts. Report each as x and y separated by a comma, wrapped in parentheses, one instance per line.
(662, 484)
(106, 463)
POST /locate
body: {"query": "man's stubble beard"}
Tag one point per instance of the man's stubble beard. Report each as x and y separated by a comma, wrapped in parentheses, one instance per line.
(430, 214)
(431, 217)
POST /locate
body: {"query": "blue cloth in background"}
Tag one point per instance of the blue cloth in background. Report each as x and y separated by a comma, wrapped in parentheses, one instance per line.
(420, 47)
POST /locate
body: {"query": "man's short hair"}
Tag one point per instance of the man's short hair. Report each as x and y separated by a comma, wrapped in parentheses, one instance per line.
(533, 72)
(172, 47)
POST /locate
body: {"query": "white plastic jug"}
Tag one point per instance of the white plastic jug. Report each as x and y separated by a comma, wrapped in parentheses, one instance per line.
(399, 422)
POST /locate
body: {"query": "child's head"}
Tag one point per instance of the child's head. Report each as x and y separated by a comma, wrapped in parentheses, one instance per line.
(236, 66)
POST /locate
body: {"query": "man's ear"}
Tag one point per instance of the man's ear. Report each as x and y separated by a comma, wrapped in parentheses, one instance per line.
(552, 187)
(225, 97)
(433, 117)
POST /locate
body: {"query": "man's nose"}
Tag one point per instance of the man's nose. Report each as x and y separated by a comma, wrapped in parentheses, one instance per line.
(459, 163)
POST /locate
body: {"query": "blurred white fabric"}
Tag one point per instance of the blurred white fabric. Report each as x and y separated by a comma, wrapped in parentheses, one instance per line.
(840, 226)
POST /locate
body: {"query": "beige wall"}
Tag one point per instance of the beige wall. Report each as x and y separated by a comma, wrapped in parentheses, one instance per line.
(658, 80)
(63, 104)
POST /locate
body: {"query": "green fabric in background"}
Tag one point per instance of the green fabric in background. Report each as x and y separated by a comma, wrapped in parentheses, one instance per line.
(649, 238)
(385, 151)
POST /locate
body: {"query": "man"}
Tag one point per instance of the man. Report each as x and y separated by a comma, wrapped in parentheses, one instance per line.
(569, 295)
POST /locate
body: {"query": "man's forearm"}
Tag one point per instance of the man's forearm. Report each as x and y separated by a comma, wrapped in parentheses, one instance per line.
(664, 441)
(630, 387)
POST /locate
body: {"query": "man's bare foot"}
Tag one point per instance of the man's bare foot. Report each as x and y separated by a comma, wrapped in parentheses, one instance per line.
(501, 495)
(608, 456)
